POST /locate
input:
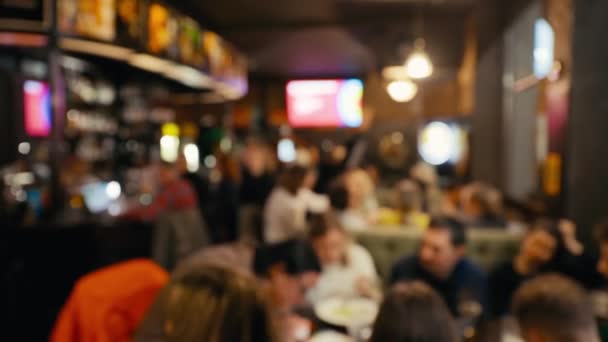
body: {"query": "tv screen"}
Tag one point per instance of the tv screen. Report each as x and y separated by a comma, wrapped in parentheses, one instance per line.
(37, 108)
(325, 103)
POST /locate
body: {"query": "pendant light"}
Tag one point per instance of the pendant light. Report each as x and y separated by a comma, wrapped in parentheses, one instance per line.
(418, 65)
(402, 90)
(399, 87)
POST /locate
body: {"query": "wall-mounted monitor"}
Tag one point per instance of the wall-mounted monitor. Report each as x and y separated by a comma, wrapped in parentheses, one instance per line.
(325, 103)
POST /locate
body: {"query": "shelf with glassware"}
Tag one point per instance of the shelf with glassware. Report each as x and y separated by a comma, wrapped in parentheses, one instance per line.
(147, 35)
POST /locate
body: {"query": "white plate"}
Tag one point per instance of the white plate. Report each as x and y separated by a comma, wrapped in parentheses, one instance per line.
(330, 336)
(347, 312)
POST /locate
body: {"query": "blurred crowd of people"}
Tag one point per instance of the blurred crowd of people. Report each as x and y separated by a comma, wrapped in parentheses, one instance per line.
(275, 244)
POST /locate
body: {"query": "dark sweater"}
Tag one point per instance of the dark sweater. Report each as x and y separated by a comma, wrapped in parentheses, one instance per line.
(505, 280)
(466, 282)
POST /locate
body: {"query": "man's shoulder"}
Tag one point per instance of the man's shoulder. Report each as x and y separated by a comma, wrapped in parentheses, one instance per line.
(471, 269)
(405, 268)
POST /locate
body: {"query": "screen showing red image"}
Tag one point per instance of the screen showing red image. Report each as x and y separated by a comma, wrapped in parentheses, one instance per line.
(325, 103)
(37, 108)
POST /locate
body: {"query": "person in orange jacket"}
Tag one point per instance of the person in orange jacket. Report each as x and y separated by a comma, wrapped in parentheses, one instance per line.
(108, 304)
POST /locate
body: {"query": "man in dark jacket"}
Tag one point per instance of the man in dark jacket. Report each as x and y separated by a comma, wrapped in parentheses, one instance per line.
(441, 263)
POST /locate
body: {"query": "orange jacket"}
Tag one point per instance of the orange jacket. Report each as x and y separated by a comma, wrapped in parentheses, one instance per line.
(108, 304)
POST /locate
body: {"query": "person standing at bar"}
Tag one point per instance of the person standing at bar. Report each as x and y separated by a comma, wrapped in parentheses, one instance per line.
(175, 194)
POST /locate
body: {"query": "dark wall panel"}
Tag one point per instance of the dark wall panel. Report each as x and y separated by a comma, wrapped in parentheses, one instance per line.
(587, 148)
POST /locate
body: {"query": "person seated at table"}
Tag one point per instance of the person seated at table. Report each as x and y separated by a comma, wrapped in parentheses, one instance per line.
(410, 203)
(484, 207)
(362, 194)
(315, 202)
(214, 303)
(413, 312)
(478, 205)
(347, 268)
(285, 271)
(552, 308)
(175, 194)
(427, 178)
(548, 246)
(285, 211)
(340, 200)
(441, 263)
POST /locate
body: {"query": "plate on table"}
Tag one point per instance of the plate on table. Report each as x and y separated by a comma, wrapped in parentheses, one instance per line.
(330, 336)
(347, 312)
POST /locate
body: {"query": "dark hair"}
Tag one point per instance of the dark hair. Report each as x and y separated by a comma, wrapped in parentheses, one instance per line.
(229, 167)
(297, 256)
(457, 230)
(548, 225)
(554, 305)
(413, 312)
(321, 224)
(489, 199)
(292, 178)
(338, 195)
(216, 304)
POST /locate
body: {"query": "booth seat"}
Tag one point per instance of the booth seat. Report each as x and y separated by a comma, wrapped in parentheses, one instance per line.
(487, 247)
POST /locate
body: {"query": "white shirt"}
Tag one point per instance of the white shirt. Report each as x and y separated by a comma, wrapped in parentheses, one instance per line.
(353, 221)
(284, 216)
(341, 279)
(315, 203)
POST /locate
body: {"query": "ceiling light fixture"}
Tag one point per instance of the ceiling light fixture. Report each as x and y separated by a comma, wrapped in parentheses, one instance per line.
(402, 90)
(418, 64)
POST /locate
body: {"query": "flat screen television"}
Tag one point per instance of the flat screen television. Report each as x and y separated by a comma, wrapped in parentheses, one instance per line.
(37, 108)
(325, 103)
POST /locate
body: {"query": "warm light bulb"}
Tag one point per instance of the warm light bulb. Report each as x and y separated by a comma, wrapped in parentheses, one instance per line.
(419, 65)
(169, 148)
(402, 91)
(191, 154)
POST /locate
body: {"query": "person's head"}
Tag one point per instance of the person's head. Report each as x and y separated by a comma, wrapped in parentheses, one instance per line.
(413, 312)
(339, 196)
(292, 179)
(442, 246)
(254, 157)
(181, 164)
(288, 268)
(483, 201)
(168, 173)
(541, 242)
(359, 186)
(425, 174)
(409, 196)
(216, 304)
(373, 173)
(228, 167)
(551, 308)
(468, 205)
(328, 238)
(601, 232)
(310, 179)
